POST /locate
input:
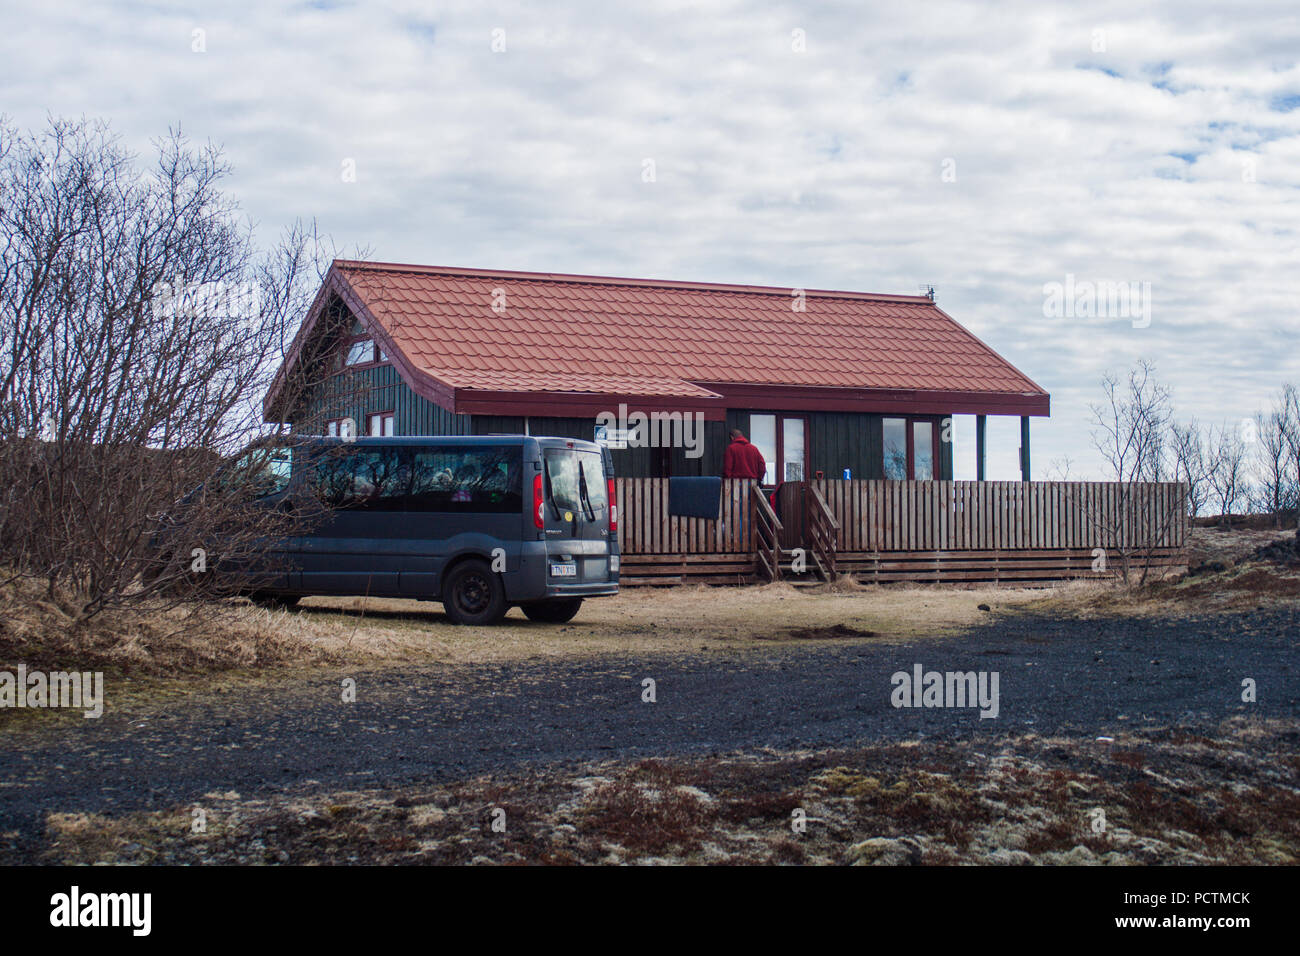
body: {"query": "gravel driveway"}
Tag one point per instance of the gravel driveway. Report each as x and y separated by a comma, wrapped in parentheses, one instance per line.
(431, 724)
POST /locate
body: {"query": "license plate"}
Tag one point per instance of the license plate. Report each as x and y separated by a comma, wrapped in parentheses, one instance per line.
(567, 570)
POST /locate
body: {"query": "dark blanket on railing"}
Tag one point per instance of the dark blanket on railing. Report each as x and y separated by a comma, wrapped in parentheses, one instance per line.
(694, 497)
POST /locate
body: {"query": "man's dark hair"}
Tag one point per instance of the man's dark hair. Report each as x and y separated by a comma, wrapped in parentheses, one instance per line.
(737, 433)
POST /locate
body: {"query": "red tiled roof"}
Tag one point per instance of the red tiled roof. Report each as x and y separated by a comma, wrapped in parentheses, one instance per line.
(573, 334)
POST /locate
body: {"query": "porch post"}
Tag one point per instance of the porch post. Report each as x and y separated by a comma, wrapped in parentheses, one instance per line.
(981, 422)
(1024, 447)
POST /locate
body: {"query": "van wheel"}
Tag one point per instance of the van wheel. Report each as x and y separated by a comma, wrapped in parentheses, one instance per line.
(558, 611)
(474, 595)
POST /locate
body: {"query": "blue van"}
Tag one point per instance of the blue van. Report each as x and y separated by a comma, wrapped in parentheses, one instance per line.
(480, 523)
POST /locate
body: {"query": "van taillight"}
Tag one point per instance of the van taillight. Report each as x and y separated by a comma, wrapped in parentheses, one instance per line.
(613, 504)
(539, 503)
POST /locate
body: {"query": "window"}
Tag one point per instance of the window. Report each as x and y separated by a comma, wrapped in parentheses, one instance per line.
(895, 456)
(369, 479)
(923, 451)
(260, 471)
(467, 479)
(910, 448)
(341, 428)
(791, 453)
(783, 442)
(575, 481)
(363, 351)
(762, 433)
(379, 424)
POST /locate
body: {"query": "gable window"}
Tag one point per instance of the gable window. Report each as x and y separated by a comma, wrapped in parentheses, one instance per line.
(911, 447)
(380, 424)
(363, 351)
(783, 440)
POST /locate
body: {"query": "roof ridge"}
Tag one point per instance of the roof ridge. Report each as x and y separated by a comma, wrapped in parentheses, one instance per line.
(583, 279)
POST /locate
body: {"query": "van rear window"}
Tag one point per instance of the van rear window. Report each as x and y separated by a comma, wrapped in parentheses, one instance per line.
(576, 481)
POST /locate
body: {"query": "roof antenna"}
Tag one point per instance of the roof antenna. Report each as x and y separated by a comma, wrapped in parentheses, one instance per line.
(927, 290)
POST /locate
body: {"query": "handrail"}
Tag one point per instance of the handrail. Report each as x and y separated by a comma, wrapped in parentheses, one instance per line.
(822, 526)
(767, 529)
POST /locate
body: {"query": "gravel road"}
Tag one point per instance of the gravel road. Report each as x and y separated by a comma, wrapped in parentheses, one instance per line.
(436, 724)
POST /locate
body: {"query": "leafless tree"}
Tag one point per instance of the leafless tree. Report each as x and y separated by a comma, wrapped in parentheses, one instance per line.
(1060, 468)
(1271, 459)
(1188, 462)
(1291, 438)
(1129, 430)
(1227, 468)
(139, 327)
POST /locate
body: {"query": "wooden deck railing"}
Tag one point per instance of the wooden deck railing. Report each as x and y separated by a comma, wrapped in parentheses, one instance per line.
(1005, 515)
(645, 527)
(955, 529)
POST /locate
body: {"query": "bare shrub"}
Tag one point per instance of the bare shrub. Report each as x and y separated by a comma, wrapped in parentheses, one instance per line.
(139, 328)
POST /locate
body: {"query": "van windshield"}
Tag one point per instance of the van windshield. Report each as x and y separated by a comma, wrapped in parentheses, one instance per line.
(259, 471)
(576, 481)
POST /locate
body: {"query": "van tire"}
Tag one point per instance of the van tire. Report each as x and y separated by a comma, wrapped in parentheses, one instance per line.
(474, 594)
(555, 611)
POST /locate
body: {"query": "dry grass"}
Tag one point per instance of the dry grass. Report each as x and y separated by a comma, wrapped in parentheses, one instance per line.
(46, 633)
(1225, 575)
(647, 621)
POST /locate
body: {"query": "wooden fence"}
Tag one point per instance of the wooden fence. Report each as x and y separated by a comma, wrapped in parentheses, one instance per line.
(910, 530)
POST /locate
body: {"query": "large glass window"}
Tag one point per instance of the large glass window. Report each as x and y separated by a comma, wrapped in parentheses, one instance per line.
(923, 451)
(782, 440)
(792, 449)
(895, 430)
(762, 433)
(909, 449)
(465, 479)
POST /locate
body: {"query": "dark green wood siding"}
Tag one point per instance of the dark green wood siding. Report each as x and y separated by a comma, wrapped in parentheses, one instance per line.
(360, 392)
(838, 440)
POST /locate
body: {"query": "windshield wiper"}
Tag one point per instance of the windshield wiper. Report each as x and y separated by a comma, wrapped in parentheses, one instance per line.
(587, 510)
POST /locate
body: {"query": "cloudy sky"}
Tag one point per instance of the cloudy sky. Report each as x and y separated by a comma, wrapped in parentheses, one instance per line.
(987, 150)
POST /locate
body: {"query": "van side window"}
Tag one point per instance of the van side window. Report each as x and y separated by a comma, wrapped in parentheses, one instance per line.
(258, 472)
(464, 479)
(371, 479)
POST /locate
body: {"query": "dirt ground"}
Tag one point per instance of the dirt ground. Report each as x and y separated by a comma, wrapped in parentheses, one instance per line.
(1164, 797)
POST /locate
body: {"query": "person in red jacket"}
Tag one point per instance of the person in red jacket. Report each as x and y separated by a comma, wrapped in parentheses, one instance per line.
(743, 460)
